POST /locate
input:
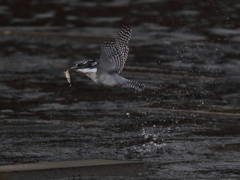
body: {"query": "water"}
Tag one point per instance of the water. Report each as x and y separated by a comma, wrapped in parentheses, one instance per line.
(184, 126)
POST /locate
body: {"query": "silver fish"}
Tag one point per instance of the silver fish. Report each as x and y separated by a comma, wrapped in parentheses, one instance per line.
(68, 76)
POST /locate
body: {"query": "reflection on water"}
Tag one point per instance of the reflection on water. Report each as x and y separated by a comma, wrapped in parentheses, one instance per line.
(184, 126)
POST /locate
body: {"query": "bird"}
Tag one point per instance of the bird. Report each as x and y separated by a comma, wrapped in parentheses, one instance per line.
(106, 70)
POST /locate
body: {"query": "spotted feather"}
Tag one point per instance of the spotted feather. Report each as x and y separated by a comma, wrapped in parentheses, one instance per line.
(114, 52)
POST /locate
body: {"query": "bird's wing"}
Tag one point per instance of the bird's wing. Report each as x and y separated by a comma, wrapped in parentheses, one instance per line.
(114, 52)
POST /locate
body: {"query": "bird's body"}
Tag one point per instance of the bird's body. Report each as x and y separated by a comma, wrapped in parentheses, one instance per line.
(113, 56)
(91, 73)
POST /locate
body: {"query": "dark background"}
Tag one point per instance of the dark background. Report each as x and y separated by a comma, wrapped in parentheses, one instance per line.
(184, 126)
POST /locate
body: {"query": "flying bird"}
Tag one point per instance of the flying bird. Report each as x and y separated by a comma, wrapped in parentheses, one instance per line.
(106, 70)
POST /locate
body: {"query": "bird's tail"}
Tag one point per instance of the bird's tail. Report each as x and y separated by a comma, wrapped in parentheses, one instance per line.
(134, 85)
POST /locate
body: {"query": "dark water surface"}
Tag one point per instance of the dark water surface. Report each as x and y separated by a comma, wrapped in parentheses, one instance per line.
(186, 125)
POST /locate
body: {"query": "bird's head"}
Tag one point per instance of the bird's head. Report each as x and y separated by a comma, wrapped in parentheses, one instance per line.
(85, 66)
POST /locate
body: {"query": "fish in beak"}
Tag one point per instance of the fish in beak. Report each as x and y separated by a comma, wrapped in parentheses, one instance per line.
(68, 76)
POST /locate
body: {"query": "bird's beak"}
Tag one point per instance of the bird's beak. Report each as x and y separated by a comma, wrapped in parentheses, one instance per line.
(74, 68)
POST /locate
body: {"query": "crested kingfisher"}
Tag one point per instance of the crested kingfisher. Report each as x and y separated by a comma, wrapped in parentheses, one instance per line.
(106, 70)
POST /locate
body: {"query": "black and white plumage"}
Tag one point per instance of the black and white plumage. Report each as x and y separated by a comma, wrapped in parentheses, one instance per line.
(113, 56)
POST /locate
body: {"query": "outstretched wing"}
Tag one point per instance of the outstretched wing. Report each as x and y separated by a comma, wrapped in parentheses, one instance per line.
(114, 52)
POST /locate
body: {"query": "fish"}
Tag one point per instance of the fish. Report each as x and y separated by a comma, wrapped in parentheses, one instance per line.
(68, 76)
